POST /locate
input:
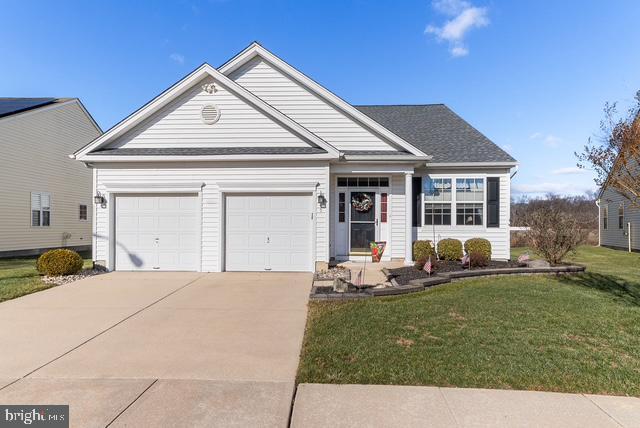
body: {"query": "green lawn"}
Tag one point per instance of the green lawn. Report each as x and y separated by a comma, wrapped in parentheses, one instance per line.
(571, 334)
(19, 277)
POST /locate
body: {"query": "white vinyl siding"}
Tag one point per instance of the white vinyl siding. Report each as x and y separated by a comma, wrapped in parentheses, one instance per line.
(613, 236)
(306, 108)
(179, 124)
(399, 216)
(36, 145)
(498, 236)
(213, 175)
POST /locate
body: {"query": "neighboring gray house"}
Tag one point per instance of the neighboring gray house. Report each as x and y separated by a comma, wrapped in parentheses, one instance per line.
(254, 166)
(619, 221)
(45, 197)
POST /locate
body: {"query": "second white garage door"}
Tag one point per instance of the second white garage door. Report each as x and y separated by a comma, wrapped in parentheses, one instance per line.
(268, 233)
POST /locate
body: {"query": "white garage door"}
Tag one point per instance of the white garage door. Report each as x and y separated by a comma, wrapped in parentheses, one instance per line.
(268, 232)
(159, 232)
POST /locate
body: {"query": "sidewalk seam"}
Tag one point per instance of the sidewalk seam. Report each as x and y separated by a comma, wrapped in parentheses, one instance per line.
(446, 402)
(603, 410)
(131, 404)
(111, 327)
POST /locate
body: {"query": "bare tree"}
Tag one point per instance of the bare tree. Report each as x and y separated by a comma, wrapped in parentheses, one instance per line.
(616, 158)
(553, 232)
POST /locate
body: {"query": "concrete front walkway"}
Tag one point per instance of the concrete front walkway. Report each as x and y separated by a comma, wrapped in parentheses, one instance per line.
(422, 406)
(143, 349)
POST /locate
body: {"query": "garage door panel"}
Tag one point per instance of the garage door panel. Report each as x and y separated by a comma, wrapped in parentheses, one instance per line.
(157, 232)
(268, 232)
(147, 203)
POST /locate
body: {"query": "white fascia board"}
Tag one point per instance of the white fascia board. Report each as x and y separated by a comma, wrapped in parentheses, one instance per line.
(186, 83)
(257, 50)
(471, 164)
(378, 158)
(116, 158)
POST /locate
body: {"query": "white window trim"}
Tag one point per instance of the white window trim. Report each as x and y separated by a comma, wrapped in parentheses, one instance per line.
(454, 201)
(605, 217)
(41, 209)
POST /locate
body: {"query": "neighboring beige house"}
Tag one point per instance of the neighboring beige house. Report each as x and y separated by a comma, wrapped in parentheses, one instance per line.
(45, 197)
(619, 221)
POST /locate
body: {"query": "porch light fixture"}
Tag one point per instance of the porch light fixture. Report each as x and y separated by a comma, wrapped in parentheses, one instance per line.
(322, 201)
(98, 199)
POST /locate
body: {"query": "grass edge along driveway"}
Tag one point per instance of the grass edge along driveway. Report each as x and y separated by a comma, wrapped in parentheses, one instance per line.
(576, 334)
(19, 277)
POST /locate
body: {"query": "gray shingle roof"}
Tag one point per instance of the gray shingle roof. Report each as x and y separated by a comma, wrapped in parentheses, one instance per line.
(438, 131)
(9, 106)
(209, 151)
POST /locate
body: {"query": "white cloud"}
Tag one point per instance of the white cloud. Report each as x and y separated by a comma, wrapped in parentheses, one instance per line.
(177, 58)
(548, 140)
(568, 170)
(507, 147)
(464, 17)
(552, 187)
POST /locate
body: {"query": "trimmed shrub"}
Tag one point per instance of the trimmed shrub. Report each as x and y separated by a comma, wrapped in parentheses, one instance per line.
(478, 245)
(478, 259)
(59, 262)
(422, 250)
(450, 249)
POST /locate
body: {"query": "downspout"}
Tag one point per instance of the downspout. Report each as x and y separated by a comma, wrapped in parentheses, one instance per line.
(629, 234)
(599, 223)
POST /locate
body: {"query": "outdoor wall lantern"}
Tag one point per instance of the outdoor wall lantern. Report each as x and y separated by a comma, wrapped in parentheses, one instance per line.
(100, 200)
(322, 201)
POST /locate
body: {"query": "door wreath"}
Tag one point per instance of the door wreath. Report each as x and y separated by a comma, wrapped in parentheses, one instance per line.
(361, 202)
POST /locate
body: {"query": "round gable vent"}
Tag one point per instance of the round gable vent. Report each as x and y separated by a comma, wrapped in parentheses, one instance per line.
(210, 114)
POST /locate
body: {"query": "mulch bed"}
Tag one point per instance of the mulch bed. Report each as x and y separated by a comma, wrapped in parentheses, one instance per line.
(405, 274)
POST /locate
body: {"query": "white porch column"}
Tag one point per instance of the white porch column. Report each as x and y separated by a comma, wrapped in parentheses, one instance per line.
(408, 192)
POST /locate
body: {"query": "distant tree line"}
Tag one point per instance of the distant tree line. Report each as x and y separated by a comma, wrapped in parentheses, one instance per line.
(581, 209)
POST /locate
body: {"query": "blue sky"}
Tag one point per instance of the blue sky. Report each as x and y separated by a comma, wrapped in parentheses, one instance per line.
(533, 76)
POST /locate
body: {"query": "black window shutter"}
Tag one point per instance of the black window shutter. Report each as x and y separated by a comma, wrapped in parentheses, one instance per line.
(493, 202)
(416, 188)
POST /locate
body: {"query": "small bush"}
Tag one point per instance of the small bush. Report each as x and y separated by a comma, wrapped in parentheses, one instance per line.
(478, 259)
(422, 250)
(450, 249)
(419, 264)
(59, 262)
(553, 234)
(478, 245)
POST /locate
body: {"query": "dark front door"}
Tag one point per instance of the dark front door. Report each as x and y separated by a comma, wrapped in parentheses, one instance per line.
(363, 221)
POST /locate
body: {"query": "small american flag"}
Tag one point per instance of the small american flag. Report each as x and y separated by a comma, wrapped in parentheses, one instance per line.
(358, 281)
(428, 267)
(466, 260)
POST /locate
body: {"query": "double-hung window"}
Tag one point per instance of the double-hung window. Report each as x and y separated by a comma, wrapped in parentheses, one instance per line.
(621, 216)
(437, 201)
(605, 217)
(469, 201)
(40, 209)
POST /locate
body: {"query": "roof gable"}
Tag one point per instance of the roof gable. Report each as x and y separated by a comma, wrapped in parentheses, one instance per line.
(292, 92)
(143, 120)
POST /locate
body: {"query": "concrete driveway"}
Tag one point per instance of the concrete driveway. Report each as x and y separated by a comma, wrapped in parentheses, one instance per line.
(131, 349)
